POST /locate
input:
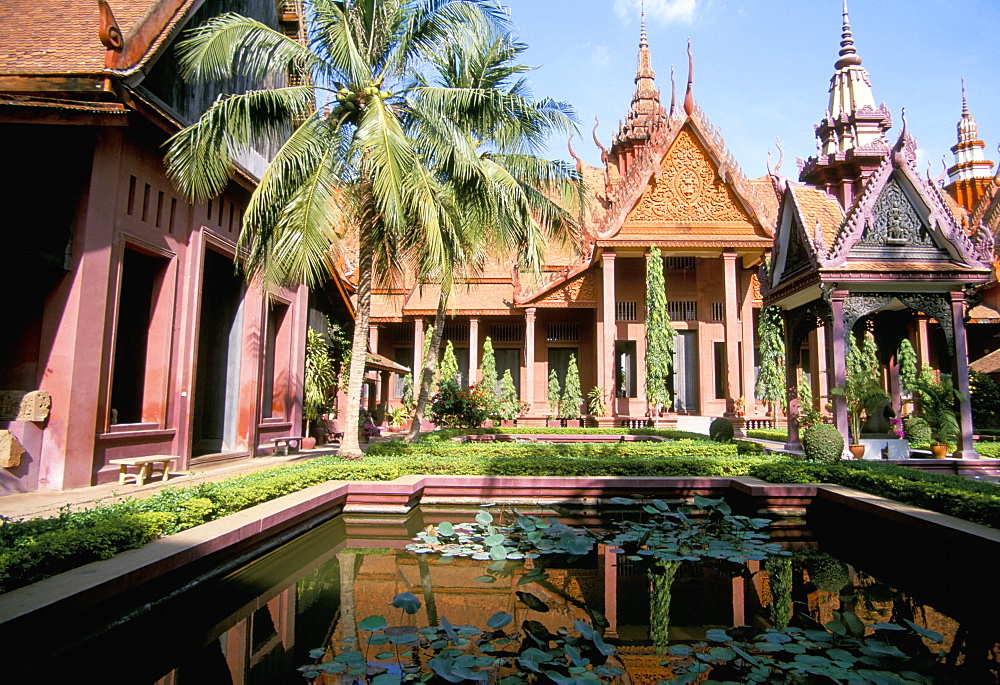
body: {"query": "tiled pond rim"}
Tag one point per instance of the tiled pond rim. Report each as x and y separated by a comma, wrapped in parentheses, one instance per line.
(110, 588)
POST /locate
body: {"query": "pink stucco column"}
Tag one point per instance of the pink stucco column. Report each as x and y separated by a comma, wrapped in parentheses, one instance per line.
(473, 351)
(838, 348)
(529, 357)
(418, 352)
(961, 370)
(791, 389)
(605, 372)
(732, 330)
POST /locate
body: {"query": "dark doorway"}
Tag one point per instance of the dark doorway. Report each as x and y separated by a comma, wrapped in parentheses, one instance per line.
(220, 343)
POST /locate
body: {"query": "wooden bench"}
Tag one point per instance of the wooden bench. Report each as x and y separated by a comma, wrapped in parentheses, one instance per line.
(147, 465)
(286, 443)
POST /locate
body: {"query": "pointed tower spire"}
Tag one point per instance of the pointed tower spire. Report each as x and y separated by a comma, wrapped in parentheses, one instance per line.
(969, 176)
(851, 136)
(646, 110)
(673, 91)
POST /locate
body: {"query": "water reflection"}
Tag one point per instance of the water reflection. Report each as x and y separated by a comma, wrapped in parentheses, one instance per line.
(258, 623)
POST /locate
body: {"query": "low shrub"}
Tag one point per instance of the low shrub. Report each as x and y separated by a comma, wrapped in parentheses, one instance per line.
(827, 573)
(457, 407)
(721, 430)
(539, 450)
(776, 434)
(916, 430)
(822, 442)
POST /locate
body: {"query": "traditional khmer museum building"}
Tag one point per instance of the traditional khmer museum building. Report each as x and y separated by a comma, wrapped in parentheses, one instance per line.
(131, 332)
(668, 182)
(863, 241)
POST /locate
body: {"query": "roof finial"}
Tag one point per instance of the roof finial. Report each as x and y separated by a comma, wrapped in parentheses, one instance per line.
(965, 104)
(643, 43)
(848, 54)
(673, 91)
(688, 96)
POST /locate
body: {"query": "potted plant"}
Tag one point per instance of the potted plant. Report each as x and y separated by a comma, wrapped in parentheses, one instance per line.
(937, 407)
(396, 417)
(862, 390)
(509, 404)
(320, 376)
(572, 395)
(597, 405)
(554, 397)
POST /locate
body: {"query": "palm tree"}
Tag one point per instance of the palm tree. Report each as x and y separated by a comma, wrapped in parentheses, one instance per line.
(351, 165)
(522, 201)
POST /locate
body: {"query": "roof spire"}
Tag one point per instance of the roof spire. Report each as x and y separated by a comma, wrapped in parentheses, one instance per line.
(965, 104)
(848, 54)
(970, 159)
(673, 91)
(688, 96)
(646, 110)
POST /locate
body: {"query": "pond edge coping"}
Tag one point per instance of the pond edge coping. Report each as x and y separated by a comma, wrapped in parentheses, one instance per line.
(86, 586)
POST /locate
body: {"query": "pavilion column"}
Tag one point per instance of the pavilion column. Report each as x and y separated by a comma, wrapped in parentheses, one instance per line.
(818, 366)
(529, 357)
(923, 342)
(418, 351)
(606, 351)
(838, 349)
(473, 351)
(960, 367)
(384, 378)
(746, 321)
(732, 331)
(791, 387)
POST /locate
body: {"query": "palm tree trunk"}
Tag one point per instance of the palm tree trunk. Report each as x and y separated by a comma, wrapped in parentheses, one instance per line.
(350, 447)
(427, 373)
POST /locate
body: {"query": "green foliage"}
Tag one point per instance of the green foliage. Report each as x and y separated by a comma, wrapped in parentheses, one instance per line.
(776, 434)
(554, 394)
(863, 388)
(805, 393)
(974, 501)
(510, 401)
(827, 573)
(822, 442)
(661, 581)
(597, 401)
(659, 335)
(488, 384)
(572, 396)
(985, 399)
(721, 430)
(938, 406)
(398, 416)
(771, 379)
(407, 399)
(455, 407)
(779, 572)
(906, 357)
(916, 430)
(320, 376)
(847, 650)
(448, 369)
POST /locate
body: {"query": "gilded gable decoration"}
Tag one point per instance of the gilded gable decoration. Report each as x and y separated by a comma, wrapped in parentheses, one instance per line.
(690, 191)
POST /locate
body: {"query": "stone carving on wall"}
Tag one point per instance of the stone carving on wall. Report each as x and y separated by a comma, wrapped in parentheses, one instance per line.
(19, 405)
(581, 290)
(10, 450)
(896, 222)
(688, 190)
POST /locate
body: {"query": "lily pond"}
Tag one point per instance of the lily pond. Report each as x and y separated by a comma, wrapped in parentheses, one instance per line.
(640, 591)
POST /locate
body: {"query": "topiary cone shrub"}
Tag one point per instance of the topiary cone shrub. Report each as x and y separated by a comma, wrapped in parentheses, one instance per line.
(721, 430)
(825, 572)
(822, 442)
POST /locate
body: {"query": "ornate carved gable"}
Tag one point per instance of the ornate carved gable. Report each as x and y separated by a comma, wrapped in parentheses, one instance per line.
(580, 291)
(687, 190)
(796, 255)
(897, 229)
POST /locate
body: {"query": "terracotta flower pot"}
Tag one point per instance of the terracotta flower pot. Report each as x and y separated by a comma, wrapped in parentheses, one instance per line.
(308, 443)
(939, 451)
(857, 451)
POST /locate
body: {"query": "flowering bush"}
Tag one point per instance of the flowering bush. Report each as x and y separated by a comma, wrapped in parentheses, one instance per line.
(368, 427)
(454, 407)
(896, 426)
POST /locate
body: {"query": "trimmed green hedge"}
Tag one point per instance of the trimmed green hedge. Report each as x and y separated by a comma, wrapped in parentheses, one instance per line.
(775, 434)
(971, 500)
(37, 548)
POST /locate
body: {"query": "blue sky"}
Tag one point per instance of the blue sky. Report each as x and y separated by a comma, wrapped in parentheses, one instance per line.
(762, 67)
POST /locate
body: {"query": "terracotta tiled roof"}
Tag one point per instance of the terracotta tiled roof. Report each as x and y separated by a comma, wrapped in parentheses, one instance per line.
(988, 364)
(765, 194)
(380, 363)
(897, 266)
(59, 36)
(815, 205)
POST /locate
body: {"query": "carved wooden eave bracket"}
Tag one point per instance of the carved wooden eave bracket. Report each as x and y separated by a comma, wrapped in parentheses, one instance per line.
(147, 37)
(975, 250)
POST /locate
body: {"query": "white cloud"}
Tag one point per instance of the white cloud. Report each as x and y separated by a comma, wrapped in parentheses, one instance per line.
(600, 56)
(661, 11)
